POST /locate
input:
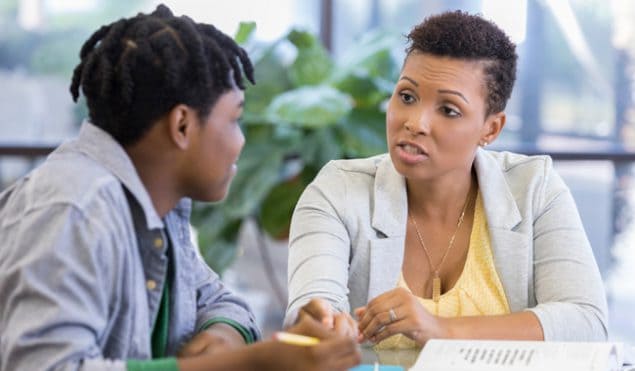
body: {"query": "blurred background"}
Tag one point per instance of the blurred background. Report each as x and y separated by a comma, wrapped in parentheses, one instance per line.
(324, 70)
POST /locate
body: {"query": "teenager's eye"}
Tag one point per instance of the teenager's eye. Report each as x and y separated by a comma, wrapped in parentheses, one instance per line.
(407, 98)
(450, 112)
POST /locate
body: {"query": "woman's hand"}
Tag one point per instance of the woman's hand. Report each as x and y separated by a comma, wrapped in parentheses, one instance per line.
(320, 310)
(408, 317)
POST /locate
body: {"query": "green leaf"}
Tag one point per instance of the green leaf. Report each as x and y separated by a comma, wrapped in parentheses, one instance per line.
(245, 31)
(272, 79)
(311, 67)
(209, 219)
(320, 147)
(257, 132)
(277, 207)
(258, 171)
(374, 55)
(313, 63)
(302, 39)
(367, 91)
(217, 235)
(219, 254)
(363, 133)
(310, 107)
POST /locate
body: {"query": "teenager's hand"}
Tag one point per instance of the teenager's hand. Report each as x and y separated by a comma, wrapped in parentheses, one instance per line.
(334, 352)
(409, 318)
(218, 337)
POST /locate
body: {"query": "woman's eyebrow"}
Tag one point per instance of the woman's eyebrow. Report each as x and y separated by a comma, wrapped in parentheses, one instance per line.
(454, 92)
(409, 79)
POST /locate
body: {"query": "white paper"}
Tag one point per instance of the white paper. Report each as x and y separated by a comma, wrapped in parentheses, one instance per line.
(486, 355)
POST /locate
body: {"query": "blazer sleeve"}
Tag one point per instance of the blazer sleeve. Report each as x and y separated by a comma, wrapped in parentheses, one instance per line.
(568, 286)
(319, 245)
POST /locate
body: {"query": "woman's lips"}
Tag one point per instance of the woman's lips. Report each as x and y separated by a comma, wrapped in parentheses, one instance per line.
(411, 153)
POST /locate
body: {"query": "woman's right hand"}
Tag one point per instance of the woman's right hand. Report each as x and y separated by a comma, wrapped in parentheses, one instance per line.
(322, 311)
(409, 317)
(334, 352)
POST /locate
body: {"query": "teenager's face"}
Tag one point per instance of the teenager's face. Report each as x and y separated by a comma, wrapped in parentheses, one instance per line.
(216, 149)
(435, 117)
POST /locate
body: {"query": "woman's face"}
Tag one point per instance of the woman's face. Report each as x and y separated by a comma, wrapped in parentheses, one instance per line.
(436, 117)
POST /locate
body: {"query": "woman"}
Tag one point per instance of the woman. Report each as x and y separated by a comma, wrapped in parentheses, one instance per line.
(442, 238)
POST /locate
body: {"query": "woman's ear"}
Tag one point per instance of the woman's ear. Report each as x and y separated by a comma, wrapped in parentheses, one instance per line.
(181, 122)
(494, 123)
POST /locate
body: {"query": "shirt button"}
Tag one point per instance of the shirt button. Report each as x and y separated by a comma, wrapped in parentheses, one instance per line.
(158, 242)
(151, 284)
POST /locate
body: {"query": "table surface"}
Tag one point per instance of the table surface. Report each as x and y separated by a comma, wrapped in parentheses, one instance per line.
(400, 357)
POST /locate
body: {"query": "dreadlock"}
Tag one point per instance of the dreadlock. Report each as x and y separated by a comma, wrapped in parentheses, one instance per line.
(135, 70)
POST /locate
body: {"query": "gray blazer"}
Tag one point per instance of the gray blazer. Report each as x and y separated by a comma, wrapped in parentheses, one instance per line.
(347, 240)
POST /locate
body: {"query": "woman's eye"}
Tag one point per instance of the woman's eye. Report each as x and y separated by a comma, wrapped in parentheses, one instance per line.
(450, 112)
(407, 98)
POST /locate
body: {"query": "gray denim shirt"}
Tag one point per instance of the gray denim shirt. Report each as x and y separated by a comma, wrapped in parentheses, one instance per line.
(81, 279)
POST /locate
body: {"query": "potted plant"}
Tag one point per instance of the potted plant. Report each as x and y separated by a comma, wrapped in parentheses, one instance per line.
(305, 109)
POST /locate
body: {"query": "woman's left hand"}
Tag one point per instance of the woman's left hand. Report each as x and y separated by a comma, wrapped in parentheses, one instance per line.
(398, 312)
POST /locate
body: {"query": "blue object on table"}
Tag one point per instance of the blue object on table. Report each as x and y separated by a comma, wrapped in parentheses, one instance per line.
(380, 368)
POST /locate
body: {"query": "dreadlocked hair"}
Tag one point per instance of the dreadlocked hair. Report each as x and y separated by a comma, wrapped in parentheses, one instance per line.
(135, 70)
(466, 36)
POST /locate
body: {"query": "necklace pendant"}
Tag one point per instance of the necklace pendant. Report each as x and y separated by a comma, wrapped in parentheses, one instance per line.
(436, 288)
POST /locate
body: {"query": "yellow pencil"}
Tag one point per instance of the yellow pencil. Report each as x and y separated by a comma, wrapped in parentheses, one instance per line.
(295, 339)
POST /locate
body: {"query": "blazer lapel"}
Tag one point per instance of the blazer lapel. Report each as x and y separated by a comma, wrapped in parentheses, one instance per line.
(509, 246)
(388, 220)
(386, 258)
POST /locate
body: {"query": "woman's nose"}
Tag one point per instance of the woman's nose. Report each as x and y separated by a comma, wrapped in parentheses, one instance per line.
(418, 124)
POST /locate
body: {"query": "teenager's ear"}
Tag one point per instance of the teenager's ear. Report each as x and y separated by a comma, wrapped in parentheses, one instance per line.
(181, 121)
(494, 124)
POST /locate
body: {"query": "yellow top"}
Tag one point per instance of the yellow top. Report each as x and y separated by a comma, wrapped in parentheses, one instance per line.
(478, 291)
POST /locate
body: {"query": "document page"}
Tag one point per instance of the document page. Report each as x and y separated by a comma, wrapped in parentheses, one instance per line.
(486, 355)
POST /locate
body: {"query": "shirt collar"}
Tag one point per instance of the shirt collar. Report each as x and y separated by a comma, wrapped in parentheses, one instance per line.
(104, 149)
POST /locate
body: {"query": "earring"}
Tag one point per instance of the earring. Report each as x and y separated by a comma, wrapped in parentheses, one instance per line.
(484, 144)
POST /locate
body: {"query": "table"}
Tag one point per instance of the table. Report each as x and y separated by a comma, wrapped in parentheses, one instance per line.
(400, 357)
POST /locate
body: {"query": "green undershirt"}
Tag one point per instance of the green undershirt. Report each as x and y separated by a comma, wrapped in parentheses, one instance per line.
(160, 333)
(159, 339)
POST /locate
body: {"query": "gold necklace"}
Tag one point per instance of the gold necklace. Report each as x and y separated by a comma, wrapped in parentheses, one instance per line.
(436, 280)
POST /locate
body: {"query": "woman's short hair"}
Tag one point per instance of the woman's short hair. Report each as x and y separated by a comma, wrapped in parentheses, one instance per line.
(457, 34)
(135, 70)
